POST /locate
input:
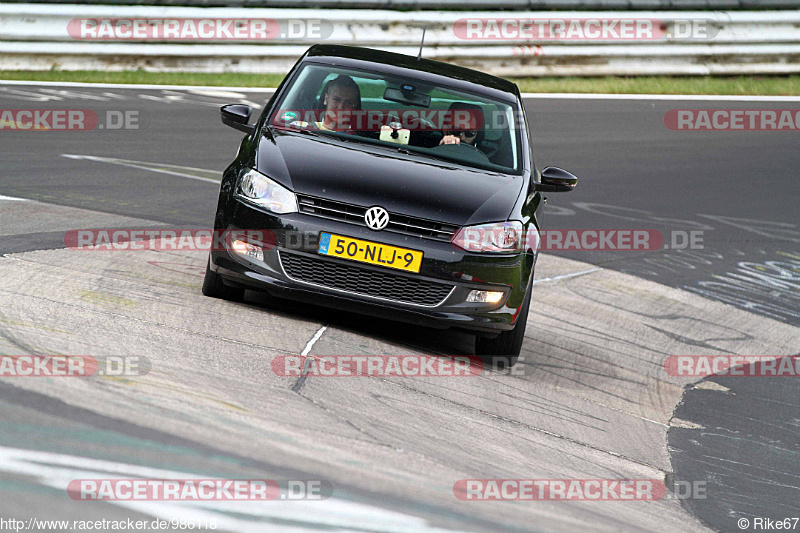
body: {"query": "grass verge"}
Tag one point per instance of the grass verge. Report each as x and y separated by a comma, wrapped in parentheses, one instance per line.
(733, 85)
(729, 85)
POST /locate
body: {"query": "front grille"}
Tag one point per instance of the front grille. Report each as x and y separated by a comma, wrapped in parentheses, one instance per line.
(367, 282)
(354, 214)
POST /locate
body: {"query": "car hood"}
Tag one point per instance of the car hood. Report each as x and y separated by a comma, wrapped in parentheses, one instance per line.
(365, 175)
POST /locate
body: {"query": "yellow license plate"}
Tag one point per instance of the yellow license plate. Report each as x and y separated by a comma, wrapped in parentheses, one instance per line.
(369, 252)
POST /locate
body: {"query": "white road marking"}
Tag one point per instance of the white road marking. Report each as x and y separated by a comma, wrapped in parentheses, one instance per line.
(313, 340)
(685, 424)
(711, 385)
(564, 276)
(217, 93)
(152, 167)
(13, 199)
(333, 514)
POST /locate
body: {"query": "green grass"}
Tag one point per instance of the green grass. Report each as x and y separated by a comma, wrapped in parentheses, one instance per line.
(734, 85)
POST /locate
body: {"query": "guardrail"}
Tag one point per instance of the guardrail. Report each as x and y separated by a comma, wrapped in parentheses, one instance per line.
(34, 36)
(519, 5)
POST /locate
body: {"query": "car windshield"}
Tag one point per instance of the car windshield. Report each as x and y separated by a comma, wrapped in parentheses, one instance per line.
(404, 114)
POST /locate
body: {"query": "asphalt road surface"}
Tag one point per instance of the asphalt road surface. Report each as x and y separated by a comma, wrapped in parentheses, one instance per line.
(589, 400)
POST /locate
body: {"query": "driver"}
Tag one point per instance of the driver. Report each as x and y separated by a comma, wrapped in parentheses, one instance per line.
(342, 96)
(470, 131)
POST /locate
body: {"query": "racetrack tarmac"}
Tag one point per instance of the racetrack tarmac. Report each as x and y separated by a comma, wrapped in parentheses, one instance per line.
(590, 398)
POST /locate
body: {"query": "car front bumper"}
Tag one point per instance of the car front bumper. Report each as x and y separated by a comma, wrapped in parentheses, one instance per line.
(435, 297)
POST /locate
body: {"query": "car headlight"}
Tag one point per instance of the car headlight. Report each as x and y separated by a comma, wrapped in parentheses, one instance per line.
(256, 188)
(498, 237)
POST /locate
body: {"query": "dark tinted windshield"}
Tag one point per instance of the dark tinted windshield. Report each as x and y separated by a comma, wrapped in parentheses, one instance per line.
(408, 114)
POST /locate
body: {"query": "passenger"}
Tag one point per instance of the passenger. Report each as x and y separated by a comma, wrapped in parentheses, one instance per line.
(342, 96)
(471, 132)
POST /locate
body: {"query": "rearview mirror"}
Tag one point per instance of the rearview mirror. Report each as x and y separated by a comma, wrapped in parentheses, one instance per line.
(556, 179)
(237, 117)
(407, 97)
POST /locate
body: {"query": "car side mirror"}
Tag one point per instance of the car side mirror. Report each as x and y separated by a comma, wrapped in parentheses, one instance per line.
(556, 179)
(237, 117)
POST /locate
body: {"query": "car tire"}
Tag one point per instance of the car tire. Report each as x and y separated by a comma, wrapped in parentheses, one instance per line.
(503, 351)
(215, 288)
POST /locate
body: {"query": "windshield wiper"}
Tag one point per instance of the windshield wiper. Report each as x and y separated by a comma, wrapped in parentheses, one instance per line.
(323, 133)
(425, 154)
(307, 131)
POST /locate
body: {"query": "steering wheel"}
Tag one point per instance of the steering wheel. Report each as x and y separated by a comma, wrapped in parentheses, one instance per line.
(454, 147)
(428, 125)
(463, 151)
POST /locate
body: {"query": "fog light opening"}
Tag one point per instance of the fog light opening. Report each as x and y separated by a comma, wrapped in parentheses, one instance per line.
(486, 297)
(247, 249)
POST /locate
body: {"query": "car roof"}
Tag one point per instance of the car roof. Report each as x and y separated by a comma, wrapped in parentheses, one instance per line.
(424, 69)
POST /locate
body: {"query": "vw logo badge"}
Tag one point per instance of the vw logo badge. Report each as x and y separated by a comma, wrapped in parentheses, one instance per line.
(376, 218)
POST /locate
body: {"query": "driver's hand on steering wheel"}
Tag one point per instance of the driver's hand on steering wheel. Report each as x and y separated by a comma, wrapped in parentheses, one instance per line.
(450, 139)
(458, 137)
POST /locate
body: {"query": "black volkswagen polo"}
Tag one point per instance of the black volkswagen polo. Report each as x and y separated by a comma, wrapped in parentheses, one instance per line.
(388, 185)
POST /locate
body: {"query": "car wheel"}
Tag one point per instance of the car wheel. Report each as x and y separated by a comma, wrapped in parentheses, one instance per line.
(503, 351)
(215, 288)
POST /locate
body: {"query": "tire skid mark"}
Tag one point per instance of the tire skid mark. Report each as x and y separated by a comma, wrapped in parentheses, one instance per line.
(527, 426)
